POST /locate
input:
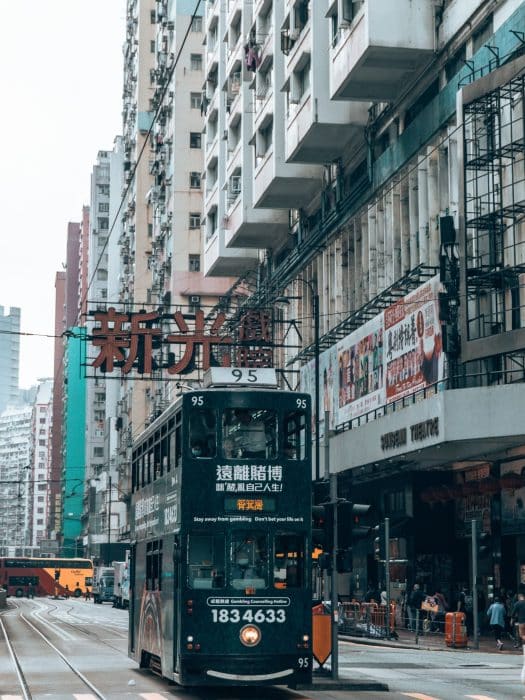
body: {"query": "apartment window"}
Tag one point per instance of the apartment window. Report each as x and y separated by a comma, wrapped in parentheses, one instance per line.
(195, 100)
(152, 46)
(102, 275)
(194, 263)
(195, 180)
(42, 443)
(196, 25)
(456, 63)
(152, 17)
(98, 452)
(41, 499)
(483, 34)
(99, 416)
(42, 487)
(196, 61)
(195, 139)
(103, 189)
(103, 223)
(42, 420)
(39, 510)
(195, 220)
(103, 206)
(39, 522)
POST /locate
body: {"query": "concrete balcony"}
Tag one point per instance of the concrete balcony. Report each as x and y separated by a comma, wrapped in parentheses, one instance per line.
(253, 228)
(382, 50)
(317, 131)
(277, 184)
(220, 260)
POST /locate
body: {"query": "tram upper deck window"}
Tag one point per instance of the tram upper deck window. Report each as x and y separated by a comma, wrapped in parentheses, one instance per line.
(249, 432)
(288, 567)
(206, 561)
(294, 433)
(249, 556)
(203, 440)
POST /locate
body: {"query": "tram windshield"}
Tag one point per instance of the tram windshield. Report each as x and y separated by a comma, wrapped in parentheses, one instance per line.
(249, 556)
(206, 561)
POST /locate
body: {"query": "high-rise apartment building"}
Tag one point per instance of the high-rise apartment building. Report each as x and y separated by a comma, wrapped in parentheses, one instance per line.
(41, 478)
(15, 481)
(9, 356)
(372, 152)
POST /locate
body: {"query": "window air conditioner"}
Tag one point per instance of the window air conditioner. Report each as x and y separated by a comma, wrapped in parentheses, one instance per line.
(195, 299)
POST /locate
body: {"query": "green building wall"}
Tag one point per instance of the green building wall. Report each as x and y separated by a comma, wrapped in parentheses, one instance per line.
(74, 441)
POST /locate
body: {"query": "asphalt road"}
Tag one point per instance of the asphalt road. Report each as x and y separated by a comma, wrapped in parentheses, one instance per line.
(85, 658)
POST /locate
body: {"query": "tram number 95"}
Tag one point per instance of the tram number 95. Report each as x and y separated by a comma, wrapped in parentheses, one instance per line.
(235, 615)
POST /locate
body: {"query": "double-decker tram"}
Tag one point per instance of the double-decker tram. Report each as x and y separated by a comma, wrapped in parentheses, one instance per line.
(45, 576)
(220, 584)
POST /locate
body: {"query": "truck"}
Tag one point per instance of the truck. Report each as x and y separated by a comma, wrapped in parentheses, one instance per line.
(103, 581)
(121, 583)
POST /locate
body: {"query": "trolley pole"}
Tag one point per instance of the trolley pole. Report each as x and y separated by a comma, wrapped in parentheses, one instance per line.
(334, 593)
(474, 587)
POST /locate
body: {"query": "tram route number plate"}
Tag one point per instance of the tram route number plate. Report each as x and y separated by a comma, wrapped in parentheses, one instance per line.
(250, 615)
(226, 376)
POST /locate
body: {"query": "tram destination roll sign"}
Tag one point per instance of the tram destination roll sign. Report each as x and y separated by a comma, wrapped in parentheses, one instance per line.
(141, 343)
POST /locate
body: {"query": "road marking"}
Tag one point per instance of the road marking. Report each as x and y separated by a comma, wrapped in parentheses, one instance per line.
(420, 696)
(84, 696)
(480, 697)
(11, 697)
(152, 696)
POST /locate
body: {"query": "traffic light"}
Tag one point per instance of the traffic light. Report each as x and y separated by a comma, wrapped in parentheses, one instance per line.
(349, 524)
(349, 529)
(380, 542)
(483, 544)
(322, 526)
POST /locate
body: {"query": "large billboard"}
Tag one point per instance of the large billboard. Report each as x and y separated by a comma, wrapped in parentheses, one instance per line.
(396, 353)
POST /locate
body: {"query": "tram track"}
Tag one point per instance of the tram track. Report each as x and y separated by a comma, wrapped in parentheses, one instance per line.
(22, 667)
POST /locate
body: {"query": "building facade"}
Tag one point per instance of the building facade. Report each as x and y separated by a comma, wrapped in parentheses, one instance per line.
(9, 356)
(41, 472)
(370, 152)
(15, 481)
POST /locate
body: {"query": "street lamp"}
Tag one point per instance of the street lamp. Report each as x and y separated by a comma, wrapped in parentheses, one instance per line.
(315, 311)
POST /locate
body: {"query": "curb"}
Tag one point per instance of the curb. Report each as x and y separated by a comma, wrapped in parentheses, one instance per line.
(343, 684)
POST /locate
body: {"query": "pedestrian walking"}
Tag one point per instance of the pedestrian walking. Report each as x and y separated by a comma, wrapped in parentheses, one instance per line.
(518, 617)
(496, 616)
(414, 605)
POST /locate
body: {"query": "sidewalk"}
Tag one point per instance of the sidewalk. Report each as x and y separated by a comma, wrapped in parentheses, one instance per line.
(436, 641)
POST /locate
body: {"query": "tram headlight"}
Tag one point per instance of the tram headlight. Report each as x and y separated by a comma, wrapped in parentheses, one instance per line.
(250, 635)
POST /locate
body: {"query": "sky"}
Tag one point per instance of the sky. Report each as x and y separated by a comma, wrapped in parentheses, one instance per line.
(61, 85)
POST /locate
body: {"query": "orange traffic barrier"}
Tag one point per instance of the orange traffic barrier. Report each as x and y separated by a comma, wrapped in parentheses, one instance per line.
(321, 634)
(455, 629)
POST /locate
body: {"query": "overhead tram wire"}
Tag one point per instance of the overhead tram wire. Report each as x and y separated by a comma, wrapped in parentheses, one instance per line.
(143, 148)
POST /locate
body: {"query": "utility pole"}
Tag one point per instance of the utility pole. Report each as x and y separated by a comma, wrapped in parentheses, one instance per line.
(387, 574)
(334, 593)
(109, 518)
(474, 586)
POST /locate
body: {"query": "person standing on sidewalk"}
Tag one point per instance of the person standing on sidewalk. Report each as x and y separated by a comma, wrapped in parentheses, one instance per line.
(414, 604)
(496, 615)
(518, 617)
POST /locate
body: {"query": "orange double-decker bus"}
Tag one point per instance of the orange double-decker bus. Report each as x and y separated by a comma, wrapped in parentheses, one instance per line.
(45, 576)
